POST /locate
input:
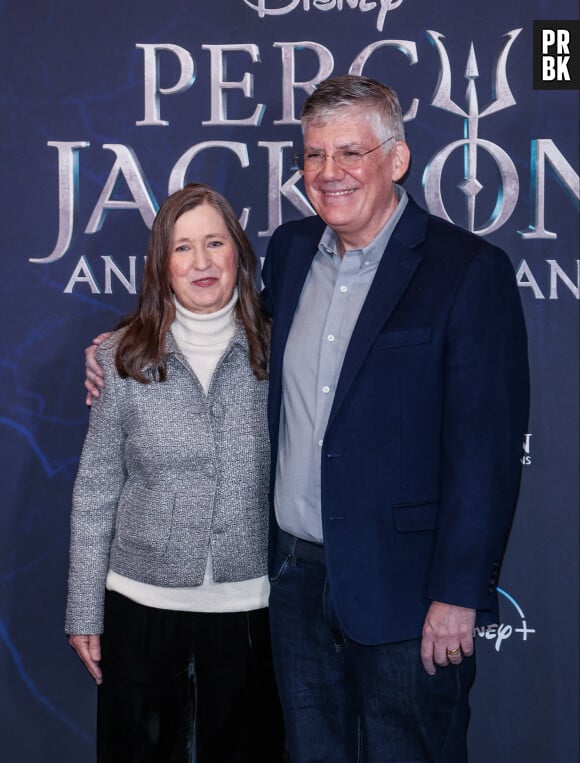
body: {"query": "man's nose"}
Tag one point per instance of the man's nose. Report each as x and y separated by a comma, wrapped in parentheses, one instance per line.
(330, 168)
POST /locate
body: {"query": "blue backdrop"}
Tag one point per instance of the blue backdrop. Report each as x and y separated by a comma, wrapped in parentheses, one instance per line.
(106, 107)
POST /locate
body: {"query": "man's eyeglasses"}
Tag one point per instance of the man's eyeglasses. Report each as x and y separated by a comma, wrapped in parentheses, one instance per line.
(313, 161)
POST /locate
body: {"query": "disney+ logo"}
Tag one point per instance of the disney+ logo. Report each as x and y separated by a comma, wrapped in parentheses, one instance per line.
(503, 631)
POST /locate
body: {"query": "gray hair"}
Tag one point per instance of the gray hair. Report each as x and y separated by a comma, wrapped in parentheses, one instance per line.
(378, 104)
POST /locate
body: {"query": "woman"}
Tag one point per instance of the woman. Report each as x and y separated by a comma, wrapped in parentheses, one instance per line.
(167, 584)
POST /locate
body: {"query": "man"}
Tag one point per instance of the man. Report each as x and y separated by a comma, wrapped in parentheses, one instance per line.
(397, 408)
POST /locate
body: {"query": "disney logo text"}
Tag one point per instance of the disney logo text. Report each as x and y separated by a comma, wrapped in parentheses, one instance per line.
(326, 5)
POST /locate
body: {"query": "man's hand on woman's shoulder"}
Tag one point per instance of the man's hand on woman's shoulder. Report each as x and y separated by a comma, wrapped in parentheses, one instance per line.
(94, 380)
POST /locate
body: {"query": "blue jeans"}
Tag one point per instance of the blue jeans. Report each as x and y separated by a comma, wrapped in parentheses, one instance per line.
(344, 702)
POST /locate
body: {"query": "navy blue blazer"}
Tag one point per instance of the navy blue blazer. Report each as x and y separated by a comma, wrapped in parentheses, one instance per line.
(421, 456)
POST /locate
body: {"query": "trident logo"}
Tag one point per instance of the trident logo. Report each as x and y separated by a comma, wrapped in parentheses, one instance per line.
(503, 98)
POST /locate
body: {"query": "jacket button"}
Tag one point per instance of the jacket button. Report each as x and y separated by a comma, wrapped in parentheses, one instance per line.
(217, 410)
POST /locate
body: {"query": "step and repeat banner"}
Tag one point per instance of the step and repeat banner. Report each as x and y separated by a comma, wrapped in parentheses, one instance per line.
(107, 107)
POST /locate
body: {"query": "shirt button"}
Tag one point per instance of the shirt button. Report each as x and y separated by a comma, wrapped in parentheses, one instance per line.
(343, 289)
(330, 337)
(367, 262)
(320, 443)
(326, 390)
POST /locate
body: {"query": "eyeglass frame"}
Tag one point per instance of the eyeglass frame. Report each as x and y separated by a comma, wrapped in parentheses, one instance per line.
(300, 158)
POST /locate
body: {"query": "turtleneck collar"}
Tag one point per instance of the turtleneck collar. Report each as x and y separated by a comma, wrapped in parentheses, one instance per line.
(203, 329)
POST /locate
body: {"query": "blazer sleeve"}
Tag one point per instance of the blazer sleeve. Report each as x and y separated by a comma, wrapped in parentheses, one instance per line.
(100, 479)
(485, 415)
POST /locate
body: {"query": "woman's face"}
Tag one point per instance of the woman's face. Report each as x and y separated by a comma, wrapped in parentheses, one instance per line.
(203, 261)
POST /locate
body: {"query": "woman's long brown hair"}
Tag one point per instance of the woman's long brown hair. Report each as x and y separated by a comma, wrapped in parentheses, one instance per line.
(142, 344)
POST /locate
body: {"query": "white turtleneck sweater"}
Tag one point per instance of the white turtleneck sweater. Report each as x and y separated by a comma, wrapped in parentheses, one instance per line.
(203, 339)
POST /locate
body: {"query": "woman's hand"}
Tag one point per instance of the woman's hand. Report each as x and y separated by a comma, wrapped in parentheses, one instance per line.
(88, 649)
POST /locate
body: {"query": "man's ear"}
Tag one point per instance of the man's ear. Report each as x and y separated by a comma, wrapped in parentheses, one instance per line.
(401, 157)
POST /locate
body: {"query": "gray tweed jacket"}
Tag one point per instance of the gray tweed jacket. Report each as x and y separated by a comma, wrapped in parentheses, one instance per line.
(165, 472)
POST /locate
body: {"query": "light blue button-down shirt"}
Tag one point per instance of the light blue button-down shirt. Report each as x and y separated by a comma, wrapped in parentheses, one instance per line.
(332, 297)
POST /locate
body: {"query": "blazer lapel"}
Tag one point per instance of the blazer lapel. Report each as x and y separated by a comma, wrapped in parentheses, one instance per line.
(287, 294)
(299, 260)
(395, 271)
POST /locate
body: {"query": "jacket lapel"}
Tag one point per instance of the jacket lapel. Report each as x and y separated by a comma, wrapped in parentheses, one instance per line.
(395, 271)
(299, 260)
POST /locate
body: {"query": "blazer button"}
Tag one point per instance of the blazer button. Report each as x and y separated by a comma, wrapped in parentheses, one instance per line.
(217, 410)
